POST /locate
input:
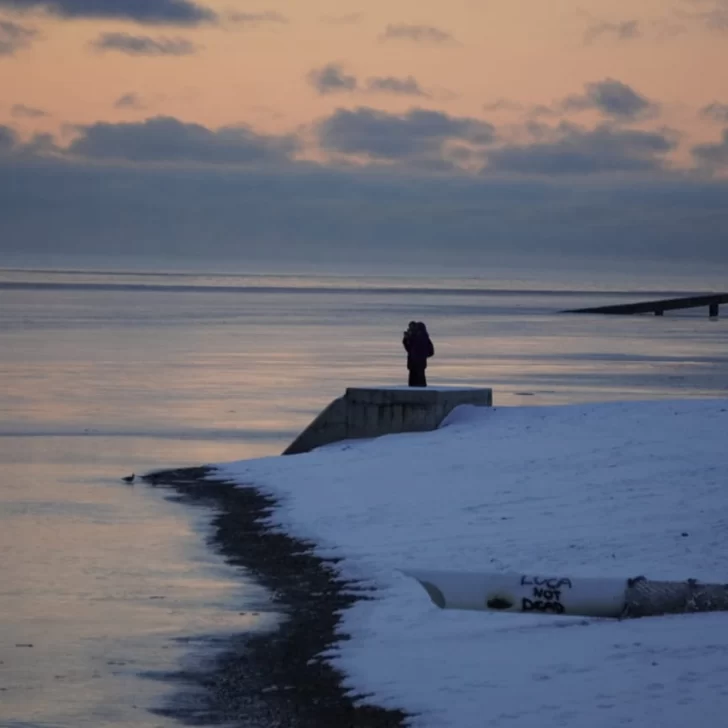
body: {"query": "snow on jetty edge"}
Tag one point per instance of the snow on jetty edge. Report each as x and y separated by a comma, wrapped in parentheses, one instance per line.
(606, 490)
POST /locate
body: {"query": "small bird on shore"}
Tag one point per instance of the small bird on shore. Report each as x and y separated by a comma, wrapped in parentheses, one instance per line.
(129, 478)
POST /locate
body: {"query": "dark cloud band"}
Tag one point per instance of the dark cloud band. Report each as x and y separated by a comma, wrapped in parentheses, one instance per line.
(327, 214)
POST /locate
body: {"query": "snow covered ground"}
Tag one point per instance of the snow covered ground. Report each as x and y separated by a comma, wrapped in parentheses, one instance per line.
(617, 489)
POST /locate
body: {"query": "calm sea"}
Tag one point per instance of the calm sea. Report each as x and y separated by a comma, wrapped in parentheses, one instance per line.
(104, 586)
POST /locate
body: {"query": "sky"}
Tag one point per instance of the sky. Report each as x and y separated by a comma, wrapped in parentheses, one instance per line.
(397, 130)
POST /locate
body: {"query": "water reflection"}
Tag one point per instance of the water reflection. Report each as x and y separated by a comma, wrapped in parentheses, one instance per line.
(102, 582)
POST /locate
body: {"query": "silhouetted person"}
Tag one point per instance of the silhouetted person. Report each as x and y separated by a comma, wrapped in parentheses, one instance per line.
(419, 348)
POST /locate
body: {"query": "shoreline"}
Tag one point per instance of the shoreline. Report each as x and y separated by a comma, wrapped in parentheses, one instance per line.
(277, 678)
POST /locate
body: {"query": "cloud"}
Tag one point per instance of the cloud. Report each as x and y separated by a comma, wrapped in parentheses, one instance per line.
(532, 112)
(392, 85)
(625, 30)
(419, 136)
(613, 98)
(503, 105)
(171, 12)
(667, 28)
(332, 78)
(712, 13)
(610, 97)
(713, 155)
(13, 37)
(715, 112)
(12, 148)
(21, 111)
(571, 150)
(345, 19)
(129, 101)
(143, 45)
(166, 139)
(416, 33)
(541, 110)
(8, 139)
(267, 17)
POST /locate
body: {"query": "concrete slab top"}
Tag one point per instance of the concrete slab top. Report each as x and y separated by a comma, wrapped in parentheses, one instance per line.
(424, 396)
(431, 388)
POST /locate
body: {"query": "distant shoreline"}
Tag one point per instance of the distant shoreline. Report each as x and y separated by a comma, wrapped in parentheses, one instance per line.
(272, 679)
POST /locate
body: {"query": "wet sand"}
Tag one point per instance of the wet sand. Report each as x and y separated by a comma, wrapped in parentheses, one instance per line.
(271, 680)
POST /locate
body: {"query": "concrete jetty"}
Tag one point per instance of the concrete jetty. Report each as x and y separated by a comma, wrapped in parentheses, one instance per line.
(363, 412)
(711, 301)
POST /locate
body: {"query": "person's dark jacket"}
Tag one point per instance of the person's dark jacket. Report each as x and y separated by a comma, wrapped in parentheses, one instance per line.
(419, 348)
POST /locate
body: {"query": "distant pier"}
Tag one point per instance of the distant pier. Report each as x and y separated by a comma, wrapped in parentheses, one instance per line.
(710, 301)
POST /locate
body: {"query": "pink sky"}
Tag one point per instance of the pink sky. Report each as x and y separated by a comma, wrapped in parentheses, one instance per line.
(527, 52)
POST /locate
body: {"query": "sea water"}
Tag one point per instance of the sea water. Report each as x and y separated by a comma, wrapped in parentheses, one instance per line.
(106, 587)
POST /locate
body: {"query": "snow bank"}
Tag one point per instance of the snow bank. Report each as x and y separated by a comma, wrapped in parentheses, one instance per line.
(617, 489)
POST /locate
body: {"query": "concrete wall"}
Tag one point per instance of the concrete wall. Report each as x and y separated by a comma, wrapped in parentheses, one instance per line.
(375, 411)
